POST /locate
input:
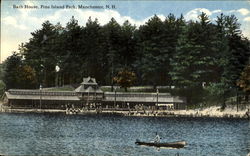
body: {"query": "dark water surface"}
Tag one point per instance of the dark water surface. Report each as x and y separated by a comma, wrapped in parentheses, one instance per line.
(59, 134)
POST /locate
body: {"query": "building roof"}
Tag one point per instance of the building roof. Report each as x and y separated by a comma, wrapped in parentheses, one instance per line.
(89, 80)
(89, 89)
(88, 85)
(38, 92)
(42, 97)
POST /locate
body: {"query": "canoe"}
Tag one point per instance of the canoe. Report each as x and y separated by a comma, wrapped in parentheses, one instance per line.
(179, 144)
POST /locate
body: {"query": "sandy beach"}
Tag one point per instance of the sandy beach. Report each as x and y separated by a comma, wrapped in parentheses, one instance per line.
(213, 111)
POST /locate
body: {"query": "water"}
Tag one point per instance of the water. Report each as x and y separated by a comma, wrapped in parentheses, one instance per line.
(59, 134)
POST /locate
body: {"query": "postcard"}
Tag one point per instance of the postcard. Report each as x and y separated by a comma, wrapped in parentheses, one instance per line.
(125, 77)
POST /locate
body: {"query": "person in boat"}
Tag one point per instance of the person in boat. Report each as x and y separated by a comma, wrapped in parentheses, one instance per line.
(157, 138)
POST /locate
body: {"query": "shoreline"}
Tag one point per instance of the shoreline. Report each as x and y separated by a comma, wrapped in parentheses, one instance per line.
(160, 113)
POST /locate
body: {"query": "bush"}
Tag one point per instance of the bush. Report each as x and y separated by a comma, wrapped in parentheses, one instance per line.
(2, 88)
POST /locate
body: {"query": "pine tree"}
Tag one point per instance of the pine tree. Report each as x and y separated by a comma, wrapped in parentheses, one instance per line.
(11, 66)
(149, 51)
(91, 52)
(127, 51)
(112, 48)
(39, 53)
(72, 47)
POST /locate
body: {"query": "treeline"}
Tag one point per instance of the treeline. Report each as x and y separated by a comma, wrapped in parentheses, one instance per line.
(173, 52)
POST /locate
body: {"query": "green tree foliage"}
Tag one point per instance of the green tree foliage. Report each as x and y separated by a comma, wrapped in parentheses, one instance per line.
(27, 77)
(17, 74)
(2, 88)
(125, 78)
(207, 53)
(157, 41)
(40, 53)
(195, 58)
(94, 62)
(11, 66)
(233, 54)
(244, 81)
(239, 50)
(150, 50)
(128, 43)
(72, 50)
(2, 84)
(1, 71)
(112, 47)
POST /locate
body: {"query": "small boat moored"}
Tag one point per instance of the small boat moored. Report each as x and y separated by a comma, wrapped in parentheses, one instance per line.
(179, 144)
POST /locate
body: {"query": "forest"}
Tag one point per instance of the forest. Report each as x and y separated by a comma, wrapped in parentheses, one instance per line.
(172, 52)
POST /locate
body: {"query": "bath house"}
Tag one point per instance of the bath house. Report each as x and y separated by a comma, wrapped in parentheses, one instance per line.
(89, 95)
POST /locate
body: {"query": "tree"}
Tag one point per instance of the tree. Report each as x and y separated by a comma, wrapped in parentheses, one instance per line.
(150, 53)
(156, 45)
(71, 58)
(27, 77)
(2, 84)
(186, 59)
(195, 59)
(17, 74)
(233, 53)
(125, 78)
(172, 29)
(127, 51)
(238, 51)
(244, 81)
(11, 70)
(1, 71)
(40, 53)
(111, 46)
(2, 88)
(93, 57)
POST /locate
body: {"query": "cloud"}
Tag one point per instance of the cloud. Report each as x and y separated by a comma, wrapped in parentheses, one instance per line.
(11, 21)
(247, 19)
(245, 30)
(7, 48)
(216, 11)
(193, 14)
(242, 11)
(29, 21)
(83, 15)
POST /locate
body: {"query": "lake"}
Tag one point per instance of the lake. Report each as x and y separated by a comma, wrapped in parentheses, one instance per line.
(59, 134)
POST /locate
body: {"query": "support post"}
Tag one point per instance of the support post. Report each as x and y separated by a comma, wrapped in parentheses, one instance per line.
(115, 99)
(237, 99)
(157, 92)
(40, 96)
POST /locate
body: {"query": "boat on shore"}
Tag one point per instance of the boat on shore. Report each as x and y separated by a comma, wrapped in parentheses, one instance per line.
(178, 144)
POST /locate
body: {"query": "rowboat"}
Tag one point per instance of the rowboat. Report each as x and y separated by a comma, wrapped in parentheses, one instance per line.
(179, 144)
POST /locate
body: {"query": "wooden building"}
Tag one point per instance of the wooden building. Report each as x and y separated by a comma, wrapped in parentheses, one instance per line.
(89, 95)
(20, 98)
(89, 91)
(153, 100)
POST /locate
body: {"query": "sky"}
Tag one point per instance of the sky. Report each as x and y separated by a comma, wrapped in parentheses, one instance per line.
(17, 23)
